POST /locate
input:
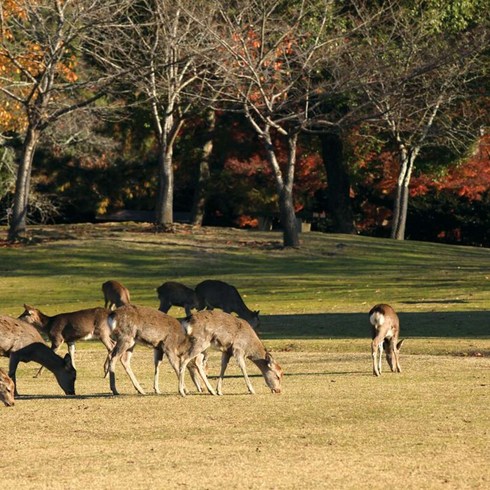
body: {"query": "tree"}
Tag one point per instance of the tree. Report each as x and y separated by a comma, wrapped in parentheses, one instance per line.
(416, 70)
(266, 61)
(47, 51)
(161, 50)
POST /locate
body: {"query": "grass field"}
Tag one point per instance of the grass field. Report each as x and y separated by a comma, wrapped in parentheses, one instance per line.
(334, 426)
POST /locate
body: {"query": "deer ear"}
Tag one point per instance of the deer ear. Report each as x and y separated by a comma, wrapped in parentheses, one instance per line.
(269, 358)
(398, 346)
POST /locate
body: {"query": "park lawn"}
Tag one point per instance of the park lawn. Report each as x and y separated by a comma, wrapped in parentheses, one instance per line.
(334, 425)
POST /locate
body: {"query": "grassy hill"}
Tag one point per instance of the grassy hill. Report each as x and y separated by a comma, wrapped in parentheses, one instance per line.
(334, 425)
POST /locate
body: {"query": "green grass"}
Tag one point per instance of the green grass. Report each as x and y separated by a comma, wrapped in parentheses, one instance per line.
(335, 425)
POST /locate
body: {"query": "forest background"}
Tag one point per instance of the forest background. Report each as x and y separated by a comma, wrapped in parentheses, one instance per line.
(355, 116)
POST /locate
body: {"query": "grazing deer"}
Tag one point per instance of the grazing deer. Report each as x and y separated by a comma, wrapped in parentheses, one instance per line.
(385, 332)
(219, 294)
(21, 342)
(71, 327)
(233, 337)
(115, 294)
(132, 324)
(176, 294)
(7, 388)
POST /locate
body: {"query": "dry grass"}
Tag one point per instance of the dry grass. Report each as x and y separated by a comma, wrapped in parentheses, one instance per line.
(335, 426)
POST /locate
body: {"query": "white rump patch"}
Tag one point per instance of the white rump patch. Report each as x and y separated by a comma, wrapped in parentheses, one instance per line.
(377, 319)
(112, 322)
(186, 327)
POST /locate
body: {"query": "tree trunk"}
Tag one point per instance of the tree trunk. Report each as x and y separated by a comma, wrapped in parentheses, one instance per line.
(164, 211)
(339, 205)
(398, 227)
(23, 184)
(288, 218)
(284, 185)
(199, 204)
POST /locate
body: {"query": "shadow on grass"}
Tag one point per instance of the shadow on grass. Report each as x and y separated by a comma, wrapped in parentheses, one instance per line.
(451, 324)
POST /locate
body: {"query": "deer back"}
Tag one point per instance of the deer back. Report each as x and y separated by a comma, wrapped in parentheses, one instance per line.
(219, 294)
(16, 334)
(175, 293)
(143, 324)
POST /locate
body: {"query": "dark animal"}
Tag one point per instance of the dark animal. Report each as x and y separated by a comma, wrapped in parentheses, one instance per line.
(219, 294)
(176, 294)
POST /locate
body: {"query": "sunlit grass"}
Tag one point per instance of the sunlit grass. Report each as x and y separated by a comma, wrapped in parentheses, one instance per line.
(335, 425)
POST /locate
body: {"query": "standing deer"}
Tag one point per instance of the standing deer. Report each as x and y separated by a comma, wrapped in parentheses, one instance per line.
(132, 324)
(71, 327)
(21, 342)
(115, 294)
(219, 294)
(233, 337)
(385, 332)
(176, 294)
(7, 388)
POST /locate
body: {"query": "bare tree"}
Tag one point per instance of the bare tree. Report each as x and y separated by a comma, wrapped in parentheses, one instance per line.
(415, 77)
(266, 58)
(48, 49)
(161, 51)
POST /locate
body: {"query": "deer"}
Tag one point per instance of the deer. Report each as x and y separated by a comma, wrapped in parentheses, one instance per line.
(176, 294)
(233, 337)
(131, 324)
(7, 388)
(21, 342)
(385, 331)
(219, 294)
(115, 294)
(71, 327)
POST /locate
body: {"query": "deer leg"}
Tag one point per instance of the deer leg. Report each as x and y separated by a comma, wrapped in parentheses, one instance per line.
(193, 371)
(225, 359)
(241, 362)
(157, 358)
(119, 351)
(181, 371)
(376, 347)
(126, 362)
(202, 372)
(109, 345)
(188, 311)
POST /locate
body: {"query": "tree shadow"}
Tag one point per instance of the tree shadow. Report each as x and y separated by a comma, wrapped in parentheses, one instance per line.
(451, 324)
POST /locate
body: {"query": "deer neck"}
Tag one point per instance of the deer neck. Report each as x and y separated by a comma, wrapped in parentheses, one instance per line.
(43, 355)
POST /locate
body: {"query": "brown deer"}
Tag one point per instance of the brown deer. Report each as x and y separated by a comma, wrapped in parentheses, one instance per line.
(7, 388)
(233, 337)
(132, 324)
(71, 327)
(176, 294)
(219, 294)
(385, 332)
(115, 294)
(21, 342)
